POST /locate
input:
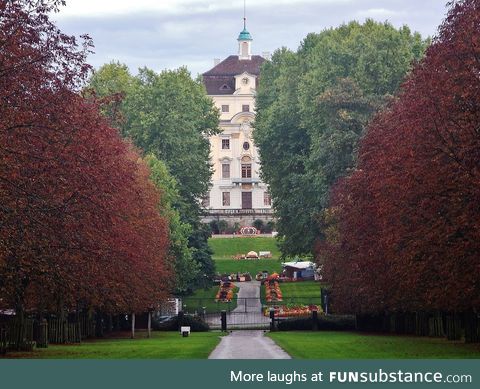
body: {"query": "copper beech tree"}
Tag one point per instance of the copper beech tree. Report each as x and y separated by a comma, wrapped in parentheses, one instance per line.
(404, 228)
(79, 220)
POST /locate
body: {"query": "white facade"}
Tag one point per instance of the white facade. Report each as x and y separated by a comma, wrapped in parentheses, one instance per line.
(237, 192)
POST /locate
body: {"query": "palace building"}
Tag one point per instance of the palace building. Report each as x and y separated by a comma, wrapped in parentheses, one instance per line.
(237, 193)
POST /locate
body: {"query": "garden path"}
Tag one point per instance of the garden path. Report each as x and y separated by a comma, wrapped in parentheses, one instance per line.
(248, 297)
(248, 345)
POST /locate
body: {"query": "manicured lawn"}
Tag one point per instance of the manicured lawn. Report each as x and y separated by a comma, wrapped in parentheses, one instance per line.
(225, 248)
(305, 292)
(252, 266)
(350, 345)
(297, 293)
(206, 298)
(162, 345)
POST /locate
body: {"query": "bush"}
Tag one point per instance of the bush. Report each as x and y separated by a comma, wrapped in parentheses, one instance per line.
(214, 227)
(236, 227)
(230, 230)
(222, 226)
(195, 322)
(258, 224)
(325, 323)
(269, 227)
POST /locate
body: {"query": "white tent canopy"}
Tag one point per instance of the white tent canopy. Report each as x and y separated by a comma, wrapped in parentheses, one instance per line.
(299, 265)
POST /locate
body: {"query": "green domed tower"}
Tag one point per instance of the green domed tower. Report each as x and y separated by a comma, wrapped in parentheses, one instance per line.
(245, 43)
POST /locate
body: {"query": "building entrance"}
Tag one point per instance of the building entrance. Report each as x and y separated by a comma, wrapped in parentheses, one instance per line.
(246, 200)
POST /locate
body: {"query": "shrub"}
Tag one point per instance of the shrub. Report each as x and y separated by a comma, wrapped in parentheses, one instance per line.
(325, 323)
(214, 227)
(258, 224)
(222, 226)
(269, 227)
(196, 324)
(236, 227)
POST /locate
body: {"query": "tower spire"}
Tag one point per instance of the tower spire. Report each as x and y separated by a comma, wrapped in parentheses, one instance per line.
(244, 39)
(244, 14)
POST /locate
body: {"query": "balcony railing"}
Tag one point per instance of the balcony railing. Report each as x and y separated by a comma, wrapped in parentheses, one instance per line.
(237, 180)
(255, 211)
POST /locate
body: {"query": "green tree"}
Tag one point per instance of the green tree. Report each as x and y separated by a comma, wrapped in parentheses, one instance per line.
(187, 270)
(312, 108)
(169, 115)
(113, 82)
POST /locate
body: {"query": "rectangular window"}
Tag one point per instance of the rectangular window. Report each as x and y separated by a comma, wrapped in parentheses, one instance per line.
(246, 170)
(226, 199)
(245, 108)
(267, 200)
(225, 144)
(225, 170)
(225, 108)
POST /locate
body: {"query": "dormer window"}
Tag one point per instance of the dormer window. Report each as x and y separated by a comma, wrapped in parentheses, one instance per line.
(224, 87)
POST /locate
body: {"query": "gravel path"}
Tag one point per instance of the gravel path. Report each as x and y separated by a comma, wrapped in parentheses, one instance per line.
(248, 345)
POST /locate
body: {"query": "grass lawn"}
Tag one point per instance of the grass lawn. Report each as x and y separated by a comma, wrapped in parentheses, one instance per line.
(295, 293)
(304, 292)
(206, 298)
(225, 248)
(350, 345)
(252, 266)
(162, 345)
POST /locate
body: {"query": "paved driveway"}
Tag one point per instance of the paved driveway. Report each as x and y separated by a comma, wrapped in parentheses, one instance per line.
(248, 345)
(248, 298)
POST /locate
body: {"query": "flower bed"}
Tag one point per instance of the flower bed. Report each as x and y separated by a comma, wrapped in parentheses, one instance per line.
(292, 311)
(272, 291)
(225, 292)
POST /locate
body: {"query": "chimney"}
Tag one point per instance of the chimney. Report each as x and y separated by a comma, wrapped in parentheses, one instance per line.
(216, 61)
(266, 55)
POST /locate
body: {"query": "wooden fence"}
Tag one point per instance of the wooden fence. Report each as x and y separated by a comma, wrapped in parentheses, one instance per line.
(452, 325)
(3, 340)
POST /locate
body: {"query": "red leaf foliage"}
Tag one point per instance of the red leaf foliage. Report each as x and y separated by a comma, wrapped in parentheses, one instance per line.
(408, 218)
(79, 217)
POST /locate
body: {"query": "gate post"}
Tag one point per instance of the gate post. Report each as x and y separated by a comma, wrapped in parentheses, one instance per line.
(272, 319)
(224, 321)
(314, 320)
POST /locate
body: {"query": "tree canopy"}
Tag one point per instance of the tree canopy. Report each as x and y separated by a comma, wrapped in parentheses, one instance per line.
(404, 226)
(169, 116)
(312, 108)
(79, 217)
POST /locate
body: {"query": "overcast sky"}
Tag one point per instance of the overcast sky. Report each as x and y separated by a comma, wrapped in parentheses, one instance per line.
(166, 34)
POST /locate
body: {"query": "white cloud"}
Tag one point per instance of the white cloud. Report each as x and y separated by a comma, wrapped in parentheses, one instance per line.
(121, 7)
(379, 13)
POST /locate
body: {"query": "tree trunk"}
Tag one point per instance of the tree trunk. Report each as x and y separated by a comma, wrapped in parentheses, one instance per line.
(133, 325)
(453, 326)
(472, 328)
(149, 324)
